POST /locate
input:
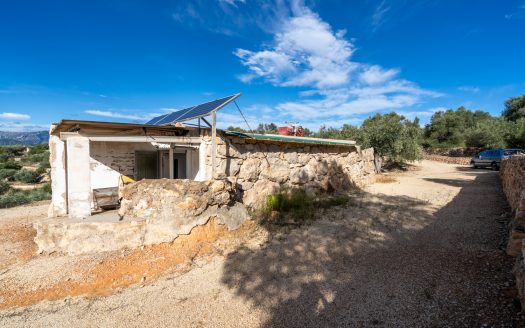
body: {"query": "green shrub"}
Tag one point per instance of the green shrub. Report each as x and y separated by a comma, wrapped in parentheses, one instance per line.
(4, 187)
(38, 149)
(26, 176)
(15, 197)
(7, 174)
(10, 164)
(41, 170)
(37, 158)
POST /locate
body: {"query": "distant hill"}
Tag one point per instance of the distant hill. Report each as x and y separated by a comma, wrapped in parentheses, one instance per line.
(23, 138)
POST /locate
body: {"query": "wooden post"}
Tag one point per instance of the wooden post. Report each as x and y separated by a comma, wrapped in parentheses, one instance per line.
(213, 143)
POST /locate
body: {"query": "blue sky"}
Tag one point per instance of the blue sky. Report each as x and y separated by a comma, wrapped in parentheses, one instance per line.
(315, 62)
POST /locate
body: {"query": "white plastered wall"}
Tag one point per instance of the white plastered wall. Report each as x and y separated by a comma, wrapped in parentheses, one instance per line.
(57, 161)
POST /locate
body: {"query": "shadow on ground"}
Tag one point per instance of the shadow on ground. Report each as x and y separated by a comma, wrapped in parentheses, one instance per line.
(386, 261)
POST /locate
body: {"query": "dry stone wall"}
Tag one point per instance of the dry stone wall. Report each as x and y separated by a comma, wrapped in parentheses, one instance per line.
(260, 168)
(447, 159)
(513, 182)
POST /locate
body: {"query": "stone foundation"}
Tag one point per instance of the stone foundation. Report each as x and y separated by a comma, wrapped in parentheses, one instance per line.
(152, 212)
(513, 182)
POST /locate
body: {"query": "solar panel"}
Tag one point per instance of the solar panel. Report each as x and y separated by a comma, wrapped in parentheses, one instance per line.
(194, 112)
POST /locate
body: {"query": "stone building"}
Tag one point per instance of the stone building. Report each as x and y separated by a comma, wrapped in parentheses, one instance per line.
(87, 156)
(167, 177)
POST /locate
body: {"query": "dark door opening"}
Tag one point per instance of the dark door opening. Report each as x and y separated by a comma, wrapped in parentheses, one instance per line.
(146, 164)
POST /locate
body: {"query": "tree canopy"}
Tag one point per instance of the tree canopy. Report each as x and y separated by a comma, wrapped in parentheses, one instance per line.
(398, 139)
(514, 108)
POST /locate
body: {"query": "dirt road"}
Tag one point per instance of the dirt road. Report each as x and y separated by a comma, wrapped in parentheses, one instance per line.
(424, 251)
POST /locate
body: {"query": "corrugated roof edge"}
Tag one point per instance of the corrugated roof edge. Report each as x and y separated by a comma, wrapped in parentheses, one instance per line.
(290, 139)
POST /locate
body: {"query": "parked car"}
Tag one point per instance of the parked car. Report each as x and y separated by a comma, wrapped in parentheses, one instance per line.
(492, 158)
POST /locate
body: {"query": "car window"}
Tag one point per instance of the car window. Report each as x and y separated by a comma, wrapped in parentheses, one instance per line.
(510, 152)
(483, 153)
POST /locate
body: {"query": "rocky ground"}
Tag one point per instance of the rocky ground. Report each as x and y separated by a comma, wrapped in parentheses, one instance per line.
(422, 249)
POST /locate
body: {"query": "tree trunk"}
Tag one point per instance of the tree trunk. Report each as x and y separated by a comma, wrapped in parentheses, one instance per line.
(378, 162)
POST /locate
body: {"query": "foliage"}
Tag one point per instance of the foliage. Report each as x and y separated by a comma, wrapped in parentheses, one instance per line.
(4, 187)
(42, 157)
(26, 176)
(447, 128)
(15, 197)
(236, 129)
(39, 149)
(491, 133)
(296, 204)
(393, 137)
(514, 108)
(266, 128)
(7, 174)
(10, 164)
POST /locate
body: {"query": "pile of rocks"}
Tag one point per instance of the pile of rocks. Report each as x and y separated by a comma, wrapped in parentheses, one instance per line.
(455, 152)
(260, 168)
(513, 182)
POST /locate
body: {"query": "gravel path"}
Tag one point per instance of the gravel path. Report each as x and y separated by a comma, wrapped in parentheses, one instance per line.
(424, 251)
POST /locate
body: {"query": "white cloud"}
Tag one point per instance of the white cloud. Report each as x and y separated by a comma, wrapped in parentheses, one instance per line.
(232, 2)
(307, 52)
(22, 127)
(376, 75)
(468, 88)
(379, 15)
(14, 116)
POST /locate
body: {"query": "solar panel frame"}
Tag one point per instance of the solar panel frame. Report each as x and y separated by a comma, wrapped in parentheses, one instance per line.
(194, 112)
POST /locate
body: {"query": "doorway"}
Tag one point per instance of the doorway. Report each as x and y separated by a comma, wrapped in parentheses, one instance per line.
(179, 165)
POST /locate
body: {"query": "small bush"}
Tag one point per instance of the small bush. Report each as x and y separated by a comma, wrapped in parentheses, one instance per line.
(41, 170)
(4, 187)
(15, 197)
(10, 164)
(7, 174)
(42, 158)
(26, 176)
(38, 149)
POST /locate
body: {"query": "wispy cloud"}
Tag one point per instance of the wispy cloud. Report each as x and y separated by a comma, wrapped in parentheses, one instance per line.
(22, 127)
(519, 13)
(378, 17)
(469, 88)
(14, 116)
(338, 87)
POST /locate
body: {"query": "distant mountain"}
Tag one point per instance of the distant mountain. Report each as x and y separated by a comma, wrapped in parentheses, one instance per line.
(23, 138)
